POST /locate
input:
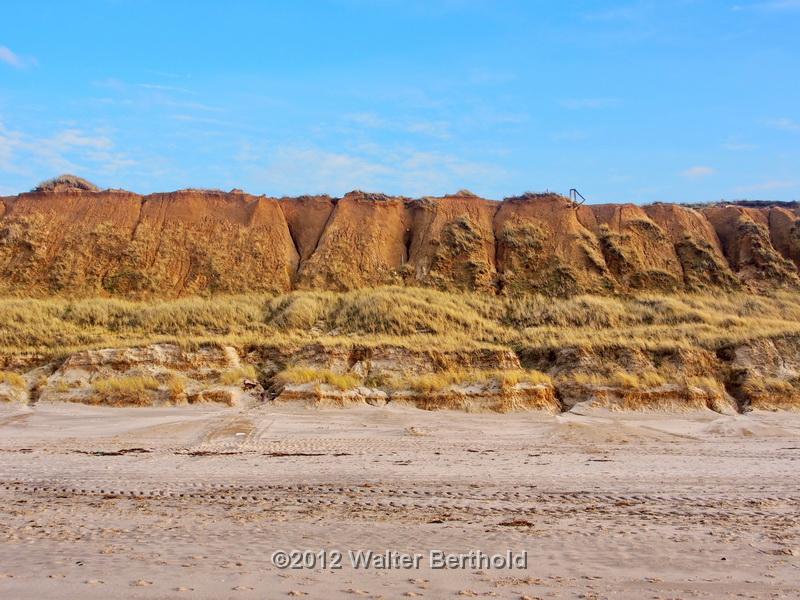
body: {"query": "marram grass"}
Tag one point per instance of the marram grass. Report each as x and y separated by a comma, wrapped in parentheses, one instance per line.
(410, 317)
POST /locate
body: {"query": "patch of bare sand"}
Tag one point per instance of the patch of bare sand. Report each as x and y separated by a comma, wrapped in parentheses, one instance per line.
(192, 502)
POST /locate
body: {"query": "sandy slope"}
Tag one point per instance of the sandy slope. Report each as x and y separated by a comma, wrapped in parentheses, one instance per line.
(166, 503)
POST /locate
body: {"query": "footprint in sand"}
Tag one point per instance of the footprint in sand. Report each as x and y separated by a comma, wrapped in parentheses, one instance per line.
(141, 583)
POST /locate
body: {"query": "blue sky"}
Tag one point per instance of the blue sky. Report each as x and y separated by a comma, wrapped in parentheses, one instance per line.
(683, 100)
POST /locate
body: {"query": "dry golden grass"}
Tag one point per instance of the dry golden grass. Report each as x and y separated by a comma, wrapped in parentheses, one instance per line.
(408, 317)
(636, 381)
(131, 383)
(300, 375)
(128, 390)
(624, 380)
(435, 382)
(591, 379)
(707, 384)
(235, 376)
(176, 386)
(620, 379)
(776, 385)
(13, 379)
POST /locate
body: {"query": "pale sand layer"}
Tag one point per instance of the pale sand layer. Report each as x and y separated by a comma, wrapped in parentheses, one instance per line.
(607, 505)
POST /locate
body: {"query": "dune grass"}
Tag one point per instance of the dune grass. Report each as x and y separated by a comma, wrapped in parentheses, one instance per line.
(707, 384)
(133, 383)
(410, 317)
(300, 375)
(13, 379)
(620, 379)
(436, 382)
(235, 376)
(126, 390)
(176, 386)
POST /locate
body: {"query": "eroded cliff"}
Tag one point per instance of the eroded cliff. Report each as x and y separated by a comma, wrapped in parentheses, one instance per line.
(70, 240)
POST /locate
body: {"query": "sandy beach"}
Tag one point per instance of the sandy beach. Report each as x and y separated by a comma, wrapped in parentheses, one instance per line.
(195, 502)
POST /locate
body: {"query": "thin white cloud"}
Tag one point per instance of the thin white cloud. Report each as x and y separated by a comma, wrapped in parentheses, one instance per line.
(15, 60)
(785, 124)
(735, 145)
(489, 77)
(428, 127)
(367, 119)
(111, 83)
(698, 171)
(772, 6)
(164, 88)
(767, 186)
(9, 140)
(293, 170)
(629, 12)
(205, 120)
(146, 95)
(590, 103)
(569, 135)
(437, 129)
(68, 150)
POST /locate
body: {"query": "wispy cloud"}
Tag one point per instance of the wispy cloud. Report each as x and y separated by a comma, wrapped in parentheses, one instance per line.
(698, 172)
(767, 186)
(785, 124)
(292, 169)
(569, 135)
(165, 88)
(628, 12)
(735, 145)
(367, 119)
(151, 94)
(72, 149)
(15, 60)
(437, 128)
(590, 103)
(206, 120)
(773, 6)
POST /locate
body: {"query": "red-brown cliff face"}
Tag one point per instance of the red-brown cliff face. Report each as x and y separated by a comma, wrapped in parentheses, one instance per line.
(453, 243)
(192, 241)
(120, 243)
(65, 242)
(307, 217)
(697, 246)
(784, 232)
(542, 246)
(638, 253)
(364, 244)
(72, 241)
(745, 236)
